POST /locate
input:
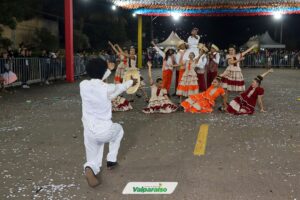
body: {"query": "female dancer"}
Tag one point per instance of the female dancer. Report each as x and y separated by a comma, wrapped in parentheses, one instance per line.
(120, 103)
(180, 63)
(159, 101)
(188, 84)
(168, 64)
(233, 80)
(123, 64)
(204, 102)
(132, 65)
(245, 103)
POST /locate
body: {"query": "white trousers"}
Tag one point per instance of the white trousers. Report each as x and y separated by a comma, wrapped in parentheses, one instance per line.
(94, 145)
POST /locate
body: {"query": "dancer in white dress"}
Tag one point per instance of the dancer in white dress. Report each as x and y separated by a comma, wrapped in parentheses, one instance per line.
(159, 101)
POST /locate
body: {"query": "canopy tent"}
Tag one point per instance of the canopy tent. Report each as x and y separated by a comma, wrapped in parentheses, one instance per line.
(264, 41)
(209, 7)
(171, 41)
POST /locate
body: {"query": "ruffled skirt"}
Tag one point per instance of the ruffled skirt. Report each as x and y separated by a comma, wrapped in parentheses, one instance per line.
(233, 80)
(198, 104)
(188, 84)
(239, 106)
(160, 105)
(120, 104)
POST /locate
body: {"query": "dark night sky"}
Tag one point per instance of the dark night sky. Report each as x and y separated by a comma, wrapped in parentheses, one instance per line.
(226, 30)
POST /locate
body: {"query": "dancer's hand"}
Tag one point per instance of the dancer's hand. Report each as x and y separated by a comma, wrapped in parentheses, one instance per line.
(225, 107)
(135, 81)
(149, 63)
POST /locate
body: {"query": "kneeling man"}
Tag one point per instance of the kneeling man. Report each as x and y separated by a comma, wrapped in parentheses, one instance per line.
(98, 127)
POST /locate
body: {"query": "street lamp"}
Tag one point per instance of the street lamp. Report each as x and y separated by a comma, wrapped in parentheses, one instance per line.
(278, 17)
(114, 7)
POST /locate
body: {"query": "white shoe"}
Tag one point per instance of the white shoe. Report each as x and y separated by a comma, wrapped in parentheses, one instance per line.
(26, 86)
(47, 83)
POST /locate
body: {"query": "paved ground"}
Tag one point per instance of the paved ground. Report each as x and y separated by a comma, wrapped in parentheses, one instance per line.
(247, 157)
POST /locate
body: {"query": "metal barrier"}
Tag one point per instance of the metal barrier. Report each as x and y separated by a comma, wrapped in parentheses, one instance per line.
(35, 70)
(275, 60)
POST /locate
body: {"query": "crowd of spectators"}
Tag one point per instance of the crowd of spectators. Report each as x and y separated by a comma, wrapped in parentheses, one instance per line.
(51, 62)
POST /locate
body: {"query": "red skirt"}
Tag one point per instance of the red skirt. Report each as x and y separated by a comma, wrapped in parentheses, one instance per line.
(167, 79)
(239, 106)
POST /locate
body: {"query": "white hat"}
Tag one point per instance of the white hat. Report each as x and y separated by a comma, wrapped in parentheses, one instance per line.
(203, 47)
(215, 47)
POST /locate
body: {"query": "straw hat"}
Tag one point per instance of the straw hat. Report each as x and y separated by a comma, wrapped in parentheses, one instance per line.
(215, 47)
(200, 45)
(181, 42)
(134, 73)
(203, 47)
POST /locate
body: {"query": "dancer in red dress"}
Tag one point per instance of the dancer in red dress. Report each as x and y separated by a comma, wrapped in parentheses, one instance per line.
(245, 103)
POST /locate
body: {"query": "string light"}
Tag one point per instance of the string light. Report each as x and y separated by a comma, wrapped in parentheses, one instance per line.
(277, 15)
(176, 16)
(210, 7)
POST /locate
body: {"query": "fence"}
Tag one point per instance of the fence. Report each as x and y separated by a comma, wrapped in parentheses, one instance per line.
(253, 60)
(276, 60)
(35, 70)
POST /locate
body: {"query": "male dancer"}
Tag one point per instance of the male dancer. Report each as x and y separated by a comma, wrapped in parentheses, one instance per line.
(193, 42)
(213, 64)
(98, 127)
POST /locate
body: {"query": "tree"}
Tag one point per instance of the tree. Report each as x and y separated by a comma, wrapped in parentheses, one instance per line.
(13, 11)
(44, 39)
(81, 41)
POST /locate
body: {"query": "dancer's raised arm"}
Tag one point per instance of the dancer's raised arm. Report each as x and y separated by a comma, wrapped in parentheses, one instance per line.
(248, 50)
(113, 47)
(122, 52)
(267, 72)
(150, 72)
(158, 50)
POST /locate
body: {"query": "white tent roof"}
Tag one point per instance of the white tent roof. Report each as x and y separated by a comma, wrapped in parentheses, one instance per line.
(172, 41)
(264, 41)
